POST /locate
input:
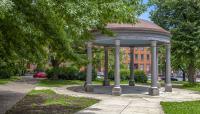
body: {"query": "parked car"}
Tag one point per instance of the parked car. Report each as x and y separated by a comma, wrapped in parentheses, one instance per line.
(149, 77)
(100, 75)
(40, 75)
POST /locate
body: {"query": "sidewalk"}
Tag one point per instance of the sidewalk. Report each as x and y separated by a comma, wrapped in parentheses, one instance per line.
(12, 92)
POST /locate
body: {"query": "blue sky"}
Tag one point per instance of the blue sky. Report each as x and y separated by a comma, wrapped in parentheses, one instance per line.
(146, 14)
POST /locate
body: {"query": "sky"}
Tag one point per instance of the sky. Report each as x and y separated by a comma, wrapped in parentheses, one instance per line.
(146, 14)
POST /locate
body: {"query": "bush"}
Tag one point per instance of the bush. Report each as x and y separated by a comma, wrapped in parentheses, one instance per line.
(124, 74)
(68, 73)
(11, 69)
(140, 76)
(82, 75)
(111, 74)
(5, 74)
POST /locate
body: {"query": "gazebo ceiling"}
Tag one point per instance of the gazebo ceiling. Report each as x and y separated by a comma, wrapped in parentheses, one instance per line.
(139, 34)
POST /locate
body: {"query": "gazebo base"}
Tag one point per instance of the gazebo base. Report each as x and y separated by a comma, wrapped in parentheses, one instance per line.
(106, 83)
(131, 83)
(116, 91)
(168, 88)
(89, 88)
(154, 91)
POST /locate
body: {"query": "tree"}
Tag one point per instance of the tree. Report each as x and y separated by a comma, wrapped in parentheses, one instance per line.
(57, 29)
(182, 18)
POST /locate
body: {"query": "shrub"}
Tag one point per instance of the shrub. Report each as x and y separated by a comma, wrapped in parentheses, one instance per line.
(82, 75)
(124, 74)
(5, 74)
(140, 76)
(68, 73)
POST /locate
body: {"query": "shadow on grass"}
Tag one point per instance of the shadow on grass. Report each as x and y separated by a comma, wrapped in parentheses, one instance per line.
(48, 102)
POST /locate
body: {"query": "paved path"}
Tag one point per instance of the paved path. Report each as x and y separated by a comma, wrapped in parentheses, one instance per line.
(12, 92)
(129, 103)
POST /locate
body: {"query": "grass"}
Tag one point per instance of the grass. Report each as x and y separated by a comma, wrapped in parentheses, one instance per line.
(191, 86)
(188, 107)
(13, 78)
(38, 92)
(48, 102)
(59, 83)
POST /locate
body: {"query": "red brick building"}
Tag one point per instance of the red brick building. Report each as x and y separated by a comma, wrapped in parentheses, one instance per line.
(142, 58)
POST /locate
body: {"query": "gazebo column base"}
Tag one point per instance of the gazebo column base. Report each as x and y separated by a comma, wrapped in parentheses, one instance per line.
(106, 83)
(154, 91)
(131, 83)
(89, 88)
(116, 91)
(168, 88)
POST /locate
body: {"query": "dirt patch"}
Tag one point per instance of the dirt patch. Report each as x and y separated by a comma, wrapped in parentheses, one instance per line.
(36, 104)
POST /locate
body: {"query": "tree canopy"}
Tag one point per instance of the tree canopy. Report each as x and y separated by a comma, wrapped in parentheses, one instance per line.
(182, 18)
(37, 30)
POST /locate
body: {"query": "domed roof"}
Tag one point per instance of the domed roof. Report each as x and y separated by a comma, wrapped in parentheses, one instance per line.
(141, 24)
(140, 34)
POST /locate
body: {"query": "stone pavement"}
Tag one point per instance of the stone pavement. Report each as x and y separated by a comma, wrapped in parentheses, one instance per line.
(12, 92)
(137, 102)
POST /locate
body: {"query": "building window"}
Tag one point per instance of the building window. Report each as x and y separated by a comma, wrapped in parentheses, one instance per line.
(148, 68)
(142, 67)
(129, 55)
(142, 57)
(136, 56)
(148, 57)
(141, 48)
(135, 66)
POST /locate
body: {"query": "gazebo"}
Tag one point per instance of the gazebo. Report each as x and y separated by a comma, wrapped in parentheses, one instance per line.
(142, 34)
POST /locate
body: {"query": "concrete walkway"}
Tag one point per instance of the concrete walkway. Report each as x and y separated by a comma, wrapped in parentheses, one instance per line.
(135, 103)
(12, 92)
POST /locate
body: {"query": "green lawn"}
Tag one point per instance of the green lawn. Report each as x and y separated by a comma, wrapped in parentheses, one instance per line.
(13, 78)
(58, 83)
(190, 86)
(188, 107)
(48, 102)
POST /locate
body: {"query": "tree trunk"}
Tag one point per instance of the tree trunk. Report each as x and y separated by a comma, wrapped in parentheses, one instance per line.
(55, 63)
(191, 73)
(183, 75)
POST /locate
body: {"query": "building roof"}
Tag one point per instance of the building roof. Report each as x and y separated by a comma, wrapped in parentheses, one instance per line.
(141, 24)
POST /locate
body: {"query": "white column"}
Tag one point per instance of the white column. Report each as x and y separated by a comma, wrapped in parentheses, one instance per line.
(106, 81)
(153, 90)
(117, 89)
(168, 85)
(132, 80)
(88, 84)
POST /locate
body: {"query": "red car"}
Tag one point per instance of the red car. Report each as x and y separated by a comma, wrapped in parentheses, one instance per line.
(40, 75)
